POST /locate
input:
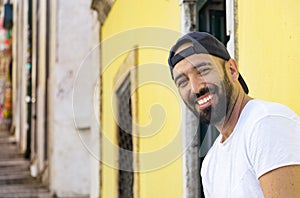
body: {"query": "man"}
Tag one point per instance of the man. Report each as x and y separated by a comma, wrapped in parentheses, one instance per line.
(257, 153)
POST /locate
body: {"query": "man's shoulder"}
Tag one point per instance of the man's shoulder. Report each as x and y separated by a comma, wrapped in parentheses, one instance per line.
(258, 109)
(273, 140)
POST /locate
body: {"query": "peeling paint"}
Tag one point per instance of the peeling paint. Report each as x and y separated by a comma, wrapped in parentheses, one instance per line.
(65, 85)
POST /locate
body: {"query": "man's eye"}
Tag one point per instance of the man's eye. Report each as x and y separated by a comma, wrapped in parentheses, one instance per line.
(182, 83)
(203, 70)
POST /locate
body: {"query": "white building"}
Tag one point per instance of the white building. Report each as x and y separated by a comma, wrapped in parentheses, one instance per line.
(55, 110)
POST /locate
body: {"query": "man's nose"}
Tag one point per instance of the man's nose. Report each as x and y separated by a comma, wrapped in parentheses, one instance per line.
(196, 81)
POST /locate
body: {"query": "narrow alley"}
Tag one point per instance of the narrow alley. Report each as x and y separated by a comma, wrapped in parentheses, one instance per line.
(15, 179)
(42, 152)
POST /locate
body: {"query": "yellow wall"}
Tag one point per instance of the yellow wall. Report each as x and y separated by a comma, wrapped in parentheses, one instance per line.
(153, 26)
(269, 48)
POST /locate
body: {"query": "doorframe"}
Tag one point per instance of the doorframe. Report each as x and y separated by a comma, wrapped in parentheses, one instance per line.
(189, 124)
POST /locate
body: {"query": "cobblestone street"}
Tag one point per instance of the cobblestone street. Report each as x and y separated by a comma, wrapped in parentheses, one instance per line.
(15, 179)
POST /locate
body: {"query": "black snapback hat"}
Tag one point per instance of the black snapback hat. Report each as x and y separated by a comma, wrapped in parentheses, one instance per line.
(202, 43)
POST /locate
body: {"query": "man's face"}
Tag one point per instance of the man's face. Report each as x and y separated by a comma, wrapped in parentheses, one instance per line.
(204, 86)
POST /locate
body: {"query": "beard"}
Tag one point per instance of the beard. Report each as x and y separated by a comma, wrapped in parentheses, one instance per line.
(216, 112)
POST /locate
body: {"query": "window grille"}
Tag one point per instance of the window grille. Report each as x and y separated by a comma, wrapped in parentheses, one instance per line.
(126, 177)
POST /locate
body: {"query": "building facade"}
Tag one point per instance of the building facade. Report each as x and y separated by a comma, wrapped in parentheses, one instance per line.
(268, 47)
(55, 72)
(233, 23)
(94, 106)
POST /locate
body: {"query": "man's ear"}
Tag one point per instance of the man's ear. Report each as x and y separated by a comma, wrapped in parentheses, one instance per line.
(233, 68)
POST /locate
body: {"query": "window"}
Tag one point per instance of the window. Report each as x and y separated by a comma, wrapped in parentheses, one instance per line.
(212, 18)
(126, 104)
(125, 180)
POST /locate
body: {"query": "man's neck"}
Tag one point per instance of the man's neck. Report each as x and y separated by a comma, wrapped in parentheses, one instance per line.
(233, 115)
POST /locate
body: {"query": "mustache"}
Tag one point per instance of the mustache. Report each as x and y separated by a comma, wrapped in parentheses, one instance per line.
(202, 92)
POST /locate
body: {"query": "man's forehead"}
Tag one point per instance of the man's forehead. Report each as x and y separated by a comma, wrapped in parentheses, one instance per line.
(196, 59)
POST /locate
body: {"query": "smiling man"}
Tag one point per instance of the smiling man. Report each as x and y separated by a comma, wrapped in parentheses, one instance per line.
(257, 153)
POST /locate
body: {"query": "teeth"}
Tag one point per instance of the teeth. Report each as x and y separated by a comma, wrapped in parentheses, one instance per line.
(205, 100)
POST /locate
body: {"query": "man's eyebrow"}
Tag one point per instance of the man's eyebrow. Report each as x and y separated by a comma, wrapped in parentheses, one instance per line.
(202, 64)
(178, 77)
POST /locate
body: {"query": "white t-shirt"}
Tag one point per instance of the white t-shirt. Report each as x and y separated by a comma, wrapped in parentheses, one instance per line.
(266, 137)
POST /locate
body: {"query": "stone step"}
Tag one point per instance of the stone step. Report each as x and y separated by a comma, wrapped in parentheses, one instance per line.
(8, 150)
(21, 187)
(22, 178)
(24, 190)
(4, 134)
(8, 145)
(27, 195)
(14, 162)
(8, 139)
(15, 171)
(19, 168)
(8, 156)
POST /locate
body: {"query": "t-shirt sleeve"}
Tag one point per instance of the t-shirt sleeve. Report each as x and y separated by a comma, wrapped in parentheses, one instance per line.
(274, 143)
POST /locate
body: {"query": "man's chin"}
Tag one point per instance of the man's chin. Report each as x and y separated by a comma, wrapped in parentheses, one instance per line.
(205, 118)
(209, 117)
(204, 115)
(205, 121)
